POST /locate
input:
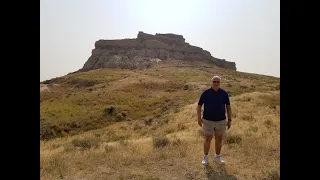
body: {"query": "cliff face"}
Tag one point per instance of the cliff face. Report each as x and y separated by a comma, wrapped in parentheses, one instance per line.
(141, 52)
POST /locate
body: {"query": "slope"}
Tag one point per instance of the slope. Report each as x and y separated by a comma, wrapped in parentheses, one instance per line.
(158, 138)
(80, 102)
(174, 151)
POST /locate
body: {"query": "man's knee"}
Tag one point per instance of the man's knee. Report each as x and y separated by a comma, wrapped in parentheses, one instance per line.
(220, 130)
(208, 138)
(219, 135)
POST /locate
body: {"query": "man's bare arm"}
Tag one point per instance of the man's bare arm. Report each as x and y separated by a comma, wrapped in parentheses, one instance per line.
(199, 111)
(229, 111)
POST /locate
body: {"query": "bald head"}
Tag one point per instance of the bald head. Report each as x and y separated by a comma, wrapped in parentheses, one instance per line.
(216, 78)
(215, 83)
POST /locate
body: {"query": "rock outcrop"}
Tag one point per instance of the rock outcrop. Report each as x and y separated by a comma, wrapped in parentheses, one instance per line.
(142, 51)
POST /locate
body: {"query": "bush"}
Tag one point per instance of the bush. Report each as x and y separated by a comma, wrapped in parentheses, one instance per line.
(176, 142)
(247, 117)
(148, 121)
(269, 123)
(233, 139)
(124, 114)
(163, 121)
(186, 87)
(119, 117)
(253, 129)
(110, 110)
(79, 83)
(129, 119)
(160, 141)
(137, 126)
(108, 148)
(272, 175)
(181, 127)
(123, 142)
(86, 143)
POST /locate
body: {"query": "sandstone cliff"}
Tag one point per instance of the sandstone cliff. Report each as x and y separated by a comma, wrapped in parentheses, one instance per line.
(141, 52)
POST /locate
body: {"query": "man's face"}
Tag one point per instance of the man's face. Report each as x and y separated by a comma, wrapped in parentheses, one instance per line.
(216, 83)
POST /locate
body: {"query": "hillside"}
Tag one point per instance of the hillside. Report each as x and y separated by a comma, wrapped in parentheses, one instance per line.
(112, 124)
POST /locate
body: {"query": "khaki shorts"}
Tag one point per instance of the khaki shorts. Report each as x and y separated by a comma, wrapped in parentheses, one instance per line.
(210, 127)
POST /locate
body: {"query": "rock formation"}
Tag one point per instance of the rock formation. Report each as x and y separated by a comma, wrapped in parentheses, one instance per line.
(145, 50)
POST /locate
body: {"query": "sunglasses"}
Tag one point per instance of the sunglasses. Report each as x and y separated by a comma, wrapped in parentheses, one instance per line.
(216, 82)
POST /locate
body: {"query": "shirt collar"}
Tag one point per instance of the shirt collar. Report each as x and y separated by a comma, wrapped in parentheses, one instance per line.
(214, 91)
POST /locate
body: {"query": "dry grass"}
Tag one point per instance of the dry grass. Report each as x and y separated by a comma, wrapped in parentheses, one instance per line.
(251, 149)
(77, 103)
(141, 124)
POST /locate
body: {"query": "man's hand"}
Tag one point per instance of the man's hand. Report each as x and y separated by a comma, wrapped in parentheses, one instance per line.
(229, 116)
(199, 115)
(229, 124)
(200, 122)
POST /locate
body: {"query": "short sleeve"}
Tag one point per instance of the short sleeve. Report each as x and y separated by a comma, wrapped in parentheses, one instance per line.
(202, 99)
(227, 100)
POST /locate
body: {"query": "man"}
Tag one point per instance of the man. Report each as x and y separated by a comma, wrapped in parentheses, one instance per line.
(215, 101)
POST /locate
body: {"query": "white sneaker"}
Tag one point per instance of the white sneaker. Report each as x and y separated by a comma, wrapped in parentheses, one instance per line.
(205, 160)
(219, 160)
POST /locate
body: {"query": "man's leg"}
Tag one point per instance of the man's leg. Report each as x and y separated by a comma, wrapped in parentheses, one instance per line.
(208, 132)
(218, 142)
(207, 142)
(220, 128)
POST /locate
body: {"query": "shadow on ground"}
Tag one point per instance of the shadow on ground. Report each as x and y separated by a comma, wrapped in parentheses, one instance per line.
(218, 174)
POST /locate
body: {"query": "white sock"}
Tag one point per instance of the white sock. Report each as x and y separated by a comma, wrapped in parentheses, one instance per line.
(217, 155)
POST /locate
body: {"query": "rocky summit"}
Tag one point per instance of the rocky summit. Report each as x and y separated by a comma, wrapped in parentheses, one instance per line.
(147, 50)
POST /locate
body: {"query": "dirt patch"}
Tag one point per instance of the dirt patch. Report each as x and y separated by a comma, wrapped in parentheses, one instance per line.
(44, 87)
(195, 86)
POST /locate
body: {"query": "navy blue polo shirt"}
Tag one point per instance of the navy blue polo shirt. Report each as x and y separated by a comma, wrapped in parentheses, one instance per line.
(214, 104)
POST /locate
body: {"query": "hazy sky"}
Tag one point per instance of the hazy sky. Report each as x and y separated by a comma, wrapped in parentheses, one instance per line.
(243, 31)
